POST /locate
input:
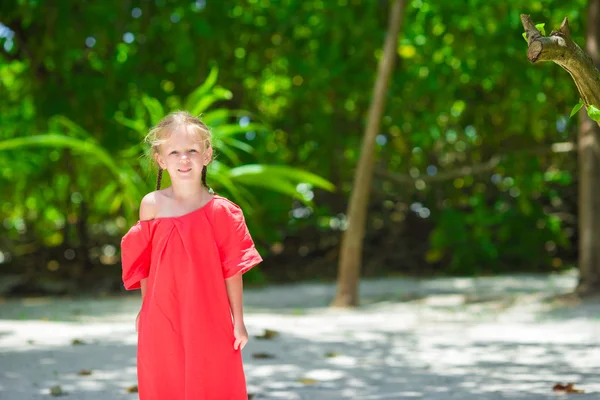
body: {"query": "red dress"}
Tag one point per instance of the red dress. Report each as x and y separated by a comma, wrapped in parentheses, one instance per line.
(185, 339)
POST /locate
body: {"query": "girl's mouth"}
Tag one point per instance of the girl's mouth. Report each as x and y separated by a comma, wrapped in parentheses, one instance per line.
(184, 170)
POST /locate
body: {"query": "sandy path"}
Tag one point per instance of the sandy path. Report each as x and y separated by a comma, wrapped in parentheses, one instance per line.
(492, 338)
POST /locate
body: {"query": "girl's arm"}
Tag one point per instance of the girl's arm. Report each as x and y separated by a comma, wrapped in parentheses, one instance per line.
(147, 212)
(143, 285)
(235, 293)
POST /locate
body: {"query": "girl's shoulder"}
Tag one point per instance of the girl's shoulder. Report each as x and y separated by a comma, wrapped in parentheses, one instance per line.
(151, 203)
(223, 204)
(148, 206)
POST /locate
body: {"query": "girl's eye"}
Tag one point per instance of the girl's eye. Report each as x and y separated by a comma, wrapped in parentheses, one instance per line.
(193, 151)
(173, 152)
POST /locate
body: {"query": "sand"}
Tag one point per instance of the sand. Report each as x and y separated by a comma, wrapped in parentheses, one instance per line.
(450, 338)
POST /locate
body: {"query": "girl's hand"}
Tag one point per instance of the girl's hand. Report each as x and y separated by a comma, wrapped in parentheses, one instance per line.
(241, 335)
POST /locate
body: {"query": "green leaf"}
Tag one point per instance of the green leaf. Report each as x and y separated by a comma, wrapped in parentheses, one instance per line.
(576, 108)
(222, 116)
(216, 117)
(70, 126)
(155, 109)
(129, 180)
(133, 151)
(137, 125)
(281, 173)
(540, 28)
(219, 174)
(208, 100)
(197, 95)
(227, 152)
(105, 194)
(229, 130)
(594, 113)
(238, 144)
(275, 184)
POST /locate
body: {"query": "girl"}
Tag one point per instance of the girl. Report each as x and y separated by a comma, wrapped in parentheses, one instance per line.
(187, 254)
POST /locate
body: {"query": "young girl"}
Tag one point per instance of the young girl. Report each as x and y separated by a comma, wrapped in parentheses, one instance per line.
(187, 254)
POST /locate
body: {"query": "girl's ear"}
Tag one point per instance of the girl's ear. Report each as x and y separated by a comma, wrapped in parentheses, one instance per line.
(208, 154)
(160, 161)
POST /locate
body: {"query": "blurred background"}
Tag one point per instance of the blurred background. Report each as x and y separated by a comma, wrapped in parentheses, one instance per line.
(476, 162)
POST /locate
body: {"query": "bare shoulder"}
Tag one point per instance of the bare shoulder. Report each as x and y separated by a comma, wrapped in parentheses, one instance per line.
(149, 205)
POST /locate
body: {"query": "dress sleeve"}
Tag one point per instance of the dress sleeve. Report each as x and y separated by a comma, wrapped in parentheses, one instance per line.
(135, 255)
(236, 247)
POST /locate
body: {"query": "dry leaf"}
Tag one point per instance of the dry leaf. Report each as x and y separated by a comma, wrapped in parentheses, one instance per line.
(307, 381)
(269, 334)
(77, 342)
(263, 355)
(132, 389)
(331, 354)
(56, 391)
(563, 389)
(84, 372)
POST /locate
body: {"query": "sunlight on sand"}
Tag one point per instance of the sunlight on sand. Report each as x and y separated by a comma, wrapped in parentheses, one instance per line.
(470, 339)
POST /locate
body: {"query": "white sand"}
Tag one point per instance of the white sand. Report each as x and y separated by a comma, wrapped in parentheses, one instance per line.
(491, 338)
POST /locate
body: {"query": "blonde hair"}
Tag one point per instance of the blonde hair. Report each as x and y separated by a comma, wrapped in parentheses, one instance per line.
(160, 133)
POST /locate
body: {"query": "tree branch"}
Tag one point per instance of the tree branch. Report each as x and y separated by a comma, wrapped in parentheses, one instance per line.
(476, 169)
(560, 49)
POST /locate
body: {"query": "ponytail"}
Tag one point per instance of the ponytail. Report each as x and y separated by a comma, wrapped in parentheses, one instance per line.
(204, 177)
(159, 178)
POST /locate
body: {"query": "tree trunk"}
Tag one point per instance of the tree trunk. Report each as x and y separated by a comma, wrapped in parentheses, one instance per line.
(589, 177)
(352, 240)
(560, 49)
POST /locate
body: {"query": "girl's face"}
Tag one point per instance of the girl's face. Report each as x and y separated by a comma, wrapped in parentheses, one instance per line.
(184, 155)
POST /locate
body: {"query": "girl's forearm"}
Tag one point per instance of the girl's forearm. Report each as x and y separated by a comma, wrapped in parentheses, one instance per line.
(235, 293)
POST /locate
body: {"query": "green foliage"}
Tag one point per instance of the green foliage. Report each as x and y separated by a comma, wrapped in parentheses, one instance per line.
(129, 182)
(488, 239)
(294, 85)
(226, 129)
